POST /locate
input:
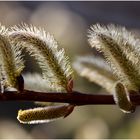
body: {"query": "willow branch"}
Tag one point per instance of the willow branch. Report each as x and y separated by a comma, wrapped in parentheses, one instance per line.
(75, 98)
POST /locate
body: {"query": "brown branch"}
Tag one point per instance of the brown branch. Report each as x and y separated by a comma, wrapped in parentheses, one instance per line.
(75, 97)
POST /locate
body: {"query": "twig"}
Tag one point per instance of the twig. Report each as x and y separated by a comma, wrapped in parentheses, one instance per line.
(75, 98)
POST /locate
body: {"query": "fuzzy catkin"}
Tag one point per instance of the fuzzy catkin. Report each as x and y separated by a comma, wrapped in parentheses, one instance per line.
(43, 114)
(95, 69)
(117, 51)
(54, 63)
(10, 59)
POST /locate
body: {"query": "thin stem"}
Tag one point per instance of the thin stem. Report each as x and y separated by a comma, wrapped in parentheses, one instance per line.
(75, 98)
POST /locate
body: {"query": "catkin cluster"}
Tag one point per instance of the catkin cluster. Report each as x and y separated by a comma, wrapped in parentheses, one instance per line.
(121, 49)
(57, 73)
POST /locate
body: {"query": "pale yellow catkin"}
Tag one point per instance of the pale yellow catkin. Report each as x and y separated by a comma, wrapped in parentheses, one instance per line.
(54, 63)
(95, 69)
(9, 60)
(42, 114)
(116, 51)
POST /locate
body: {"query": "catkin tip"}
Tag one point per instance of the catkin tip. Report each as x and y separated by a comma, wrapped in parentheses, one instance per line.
(121, 97)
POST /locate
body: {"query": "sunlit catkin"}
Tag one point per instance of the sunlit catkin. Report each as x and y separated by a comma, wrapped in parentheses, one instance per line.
(122, 53)
(54, 63)
(44, 114)
(10, 61)
(95, 69)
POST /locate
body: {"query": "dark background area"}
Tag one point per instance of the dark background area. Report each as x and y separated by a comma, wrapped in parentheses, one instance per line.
(117, 12)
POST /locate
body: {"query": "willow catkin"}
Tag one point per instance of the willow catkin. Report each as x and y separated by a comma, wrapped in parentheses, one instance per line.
(54, 63)
(121, 97)
(95, 69)
(55, 67)
(44, 114)
(119, 52)
(10, 61)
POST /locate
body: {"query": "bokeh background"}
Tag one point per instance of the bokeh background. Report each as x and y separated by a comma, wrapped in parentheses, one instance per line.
(68, 22)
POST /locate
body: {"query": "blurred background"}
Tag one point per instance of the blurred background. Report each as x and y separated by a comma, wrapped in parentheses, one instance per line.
(68, 22)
